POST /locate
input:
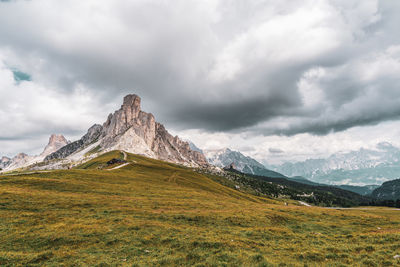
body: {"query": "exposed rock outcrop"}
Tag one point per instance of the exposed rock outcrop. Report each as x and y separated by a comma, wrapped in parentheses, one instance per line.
(20, 160)
(56, 141)
(91, 136)
(135, 131)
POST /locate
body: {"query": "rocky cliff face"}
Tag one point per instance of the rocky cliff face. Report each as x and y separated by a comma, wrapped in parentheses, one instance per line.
(135, 131)
(91, 136)
(129, 116)
(56, 141)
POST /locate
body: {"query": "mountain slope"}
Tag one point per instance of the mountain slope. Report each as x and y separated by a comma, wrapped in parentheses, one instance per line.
(322, 195)
(225, 157)
(362, 190)
(90, 137)
(388, 191)
(155, 213)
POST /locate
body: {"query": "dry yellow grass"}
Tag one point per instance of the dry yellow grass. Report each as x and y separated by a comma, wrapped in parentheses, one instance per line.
(155, 213)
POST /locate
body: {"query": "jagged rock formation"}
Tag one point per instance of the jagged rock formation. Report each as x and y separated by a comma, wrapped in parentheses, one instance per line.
(91, 136)
(135, 131)
(20, 160)
(56, 141)
(129, 129)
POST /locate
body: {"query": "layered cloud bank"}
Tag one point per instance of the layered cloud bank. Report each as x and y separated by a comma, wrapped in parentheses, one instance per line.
(314, 71)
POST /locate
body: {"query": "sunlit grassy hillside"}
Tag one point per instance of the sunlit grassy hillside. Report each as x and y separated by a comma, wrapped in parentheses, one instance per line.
(155, 213)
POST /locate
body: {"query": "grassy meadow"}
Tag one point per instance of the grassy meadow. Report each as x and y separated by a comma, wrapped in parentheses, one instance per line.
(153, 213)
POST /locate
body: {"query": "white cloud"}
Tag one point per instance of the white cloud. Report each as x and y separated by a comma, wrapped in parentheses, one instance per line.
(30, 112)
(299, 147)
(262, 68)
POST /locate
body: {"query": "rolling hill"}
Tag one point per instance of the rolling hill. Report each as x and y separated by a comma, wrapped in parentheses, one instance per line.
(137, 211)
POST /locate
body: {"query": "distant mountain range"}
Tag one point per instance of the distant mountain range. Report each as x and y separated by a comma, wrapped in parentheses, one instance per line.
(362, 167)
(225, 157)
(56, 141)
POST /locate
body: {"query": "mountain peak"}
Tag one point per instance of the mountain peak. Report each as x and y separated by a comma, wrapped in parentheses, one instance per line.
(132, 130)
(132, 100)
(57, 138)
(230, 159)
(56, 141)
(131, 106)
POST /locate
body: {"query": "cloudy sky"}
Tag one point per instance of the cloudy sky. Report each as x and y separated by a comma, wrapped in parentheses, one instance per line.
(278, 80)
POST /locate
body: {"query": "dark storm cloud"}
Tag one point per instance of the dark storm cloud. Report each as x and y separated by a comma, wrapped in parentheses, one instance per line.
(234, 113)
(215, 66)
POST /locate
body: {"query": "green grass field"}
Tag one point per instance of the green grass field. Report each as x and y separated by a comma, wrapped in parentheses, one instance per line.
(152, 213)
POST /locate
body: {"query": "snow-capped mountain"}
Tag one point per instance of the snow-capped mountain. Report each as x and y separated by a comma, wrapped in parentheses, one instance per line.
(362, 167)
(225, 157)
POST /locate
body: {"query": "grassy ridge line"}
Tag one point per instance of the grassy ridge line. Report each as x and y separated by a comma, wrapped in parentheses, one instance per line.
(141, 164)
(153, 213)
